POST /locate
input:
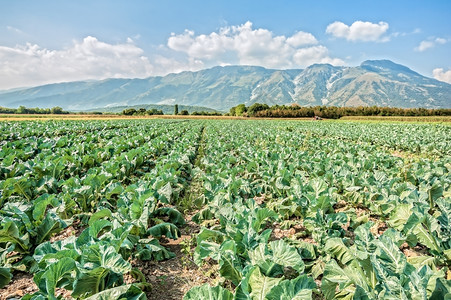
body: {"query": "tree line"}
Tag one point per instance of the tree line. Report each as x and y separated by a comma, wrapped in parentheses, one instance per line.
(259, 110)
(142, 112)
(153, 111)
(37, 111)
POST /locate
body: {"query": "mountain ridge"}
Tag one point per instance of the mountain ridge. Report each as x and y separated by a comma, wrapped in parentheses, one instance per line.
(373, 82)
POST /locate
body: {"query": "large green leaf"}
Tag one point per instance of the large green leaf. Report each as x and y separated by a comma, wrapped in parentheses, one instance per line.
(174, 215)
(434, 192)
(98, 226)
(276, 253)
(5, 277)
(261, 284)
(167, 229)
(165, 193)
(364, 238)
(105, 256)
(40, 205)
(335, 278)
(299, 288)
(103, 213)
(227, 262)
(206, 249)
(48, 227)
(340, 282)
(24, 187)
(419, 283)
(48, 248)
(48, 279)
(9, 233)
(242, 291)
(389, 257)
(149, 249)
(90, 283)
(426, 238)
(262, 215)
(423, 260)
(206, 292)
(286, 255)
(44, 254)
(129, 292)
(336, 248)
(399, 216)
(441, 290)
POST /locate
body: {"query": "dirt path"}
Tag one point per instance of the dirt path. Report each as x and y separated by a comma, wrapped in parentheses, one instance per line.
(171, 279)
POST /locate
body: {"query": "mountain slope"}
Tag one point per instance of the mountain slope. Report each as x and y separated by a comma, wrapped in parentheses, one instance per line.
(377, 82)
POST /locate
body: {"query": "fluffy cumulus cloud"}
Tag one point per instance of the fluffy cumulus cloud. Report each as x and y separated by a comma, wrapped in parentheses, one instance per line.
(359, 31)
(87, 59)
(246, 45)
(430, 43)
(442, 75)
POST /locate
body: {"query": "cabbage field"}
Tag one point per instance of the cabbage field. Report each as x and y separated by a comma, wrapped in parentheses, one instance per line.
(285, 209)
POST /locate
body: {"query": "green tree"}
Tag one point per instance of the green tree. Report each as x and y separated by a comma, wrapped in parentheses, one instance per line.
(129, 111)
(240, 109)
(22, 110)
(256, 107)
(176, 109)
(154, 111)
(56, 110)
(184, 112)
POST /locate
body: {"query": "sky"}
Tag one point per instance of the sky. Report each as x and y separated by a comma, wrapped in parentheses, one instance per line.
(47, 41)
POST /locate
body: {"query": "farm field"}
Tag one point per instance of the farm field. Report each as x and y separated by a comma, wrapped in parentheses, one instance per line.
(249, 209)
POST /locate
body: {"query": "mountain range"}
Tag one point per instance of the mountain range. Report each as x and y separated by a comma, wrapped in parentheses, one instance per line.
(374, 82)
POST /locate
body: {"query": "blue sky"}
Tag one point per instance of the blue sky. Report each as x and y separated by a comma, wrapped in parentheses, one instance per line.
(53, 41)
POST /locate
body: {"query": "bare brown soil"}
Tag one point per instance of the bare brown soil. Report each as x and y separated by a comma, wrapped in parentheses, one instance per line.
(171, 279)
(21, 284)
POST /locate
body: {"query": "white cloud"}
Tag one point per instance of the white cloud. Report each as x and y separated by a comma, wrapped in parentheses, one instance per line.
(359, 31)
(87, 59)
(301, 39)
(164, 65)
(442, 75)
(430, 43)
(14, 29)
(248, 46)
(424, 45)
(441, 41)
(316, 54)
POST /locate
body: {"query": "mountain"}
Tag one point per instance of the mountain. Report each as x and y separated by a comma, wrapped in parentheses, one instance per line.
(374, 82)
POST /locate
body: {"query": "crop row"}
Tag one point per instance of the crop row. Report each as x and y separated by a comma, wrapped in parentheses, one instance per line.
(120, 207)
(290, 213)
